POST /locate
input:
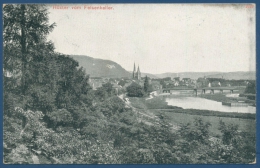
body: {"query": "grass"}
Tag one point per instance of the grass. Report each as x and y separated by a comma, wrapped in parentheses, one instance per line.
(212, 113)
(179, 116)
(154, 103)
(159, 103)
(247, 125)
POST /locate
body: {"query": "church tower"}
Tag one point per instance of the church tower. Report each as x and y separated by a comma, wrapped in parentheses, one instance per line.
(134, 72)
(138, 73)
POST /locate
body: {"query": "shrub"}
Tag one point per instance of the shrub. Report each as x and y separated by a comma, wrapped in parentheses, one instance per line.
(60, 117)
(135, 90)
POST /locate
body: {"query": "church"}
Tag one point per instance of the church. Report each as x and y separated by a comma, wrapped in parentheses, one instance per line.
(136, 74)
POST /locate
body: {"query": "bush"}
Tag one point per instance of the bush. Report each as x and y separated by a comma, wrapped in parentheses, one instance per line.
(229, 132)
(112, 106)
(199, 131)
(60, 117)
(135, 90)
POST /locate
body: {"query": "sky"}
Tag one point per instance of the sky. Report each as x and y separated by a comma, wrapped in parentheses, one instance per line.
(159, 37)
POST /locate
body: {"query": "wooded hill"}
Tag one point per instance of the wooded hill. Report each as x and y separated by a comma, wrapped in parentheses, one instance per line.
(100, 68)
(108, 68)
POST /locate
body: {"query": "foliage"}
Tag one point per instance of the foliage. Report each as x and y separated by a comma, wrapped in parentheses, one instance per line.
(20, 155)
(163, 84)
(135, 90)
(199, 131)
(112, 106)
(25, 30)
(229, 132)
(122, 83)
(146, 84)
(250, 88)
(60, 117)
(108, 87)
(107, 90)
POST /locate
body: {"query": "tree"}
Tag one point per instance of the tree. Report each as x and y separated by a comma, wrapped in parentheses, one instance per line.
(60, 117)
(108, 87)
(146, 84)
(122, 83)
(25, 30)
(163, 84)
(135, 90)
(250, 88)
(229, 132)
(199, 131)
(112, 106)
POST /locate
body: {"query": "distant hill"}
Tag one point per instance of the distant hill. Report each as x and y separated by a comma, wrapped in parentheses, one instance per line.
(148, 75)
(192, 75)
(101, 68)
(251, 75)
(106, 68)
(143, 74)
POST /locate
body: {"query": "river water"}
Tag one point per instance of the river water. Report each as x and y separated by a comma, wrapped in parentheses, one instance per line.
(187, 100)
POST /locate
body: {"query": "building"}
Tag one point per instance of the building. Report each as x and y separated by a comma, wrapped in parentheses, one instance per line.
(137, 74)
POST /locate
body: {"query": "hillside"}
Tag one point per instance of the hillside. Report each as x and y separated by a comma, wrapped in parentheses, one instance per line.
(106, 68)
(101, 68)
(235, 75)
(143, 74)
(226, 75)
(192, 75)
(149, 75)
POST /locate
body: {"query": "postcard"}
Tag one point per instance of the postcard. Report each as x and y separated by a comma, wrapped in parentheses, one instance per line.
(129, 83)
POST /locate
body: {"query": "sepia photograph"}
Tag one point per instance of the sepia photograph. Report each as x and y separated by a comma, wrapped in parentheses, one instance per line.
(129, 83)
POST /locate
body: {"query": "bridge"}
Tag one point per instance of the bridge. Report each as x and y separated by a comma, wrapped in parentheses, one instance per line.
(203, 90)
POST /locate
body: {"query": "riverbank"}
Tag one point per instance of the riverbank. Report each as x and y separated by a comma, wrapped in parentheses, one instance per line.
(178, 116)
(154, 103)
(224, 98)
(158, 103)
(185, 116)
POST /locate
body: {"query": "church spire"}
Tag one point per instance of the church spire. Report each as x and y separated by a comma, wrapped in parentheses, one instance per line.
(138, 73)
(134, 71)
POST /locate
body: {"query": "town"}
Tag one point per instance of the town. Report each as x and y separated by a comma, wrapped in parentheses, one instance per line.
(161, 85)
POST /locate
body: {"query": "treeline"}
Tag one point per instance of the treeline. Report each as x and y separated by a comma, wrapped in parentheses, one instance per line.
(52, 115)
(136, 90)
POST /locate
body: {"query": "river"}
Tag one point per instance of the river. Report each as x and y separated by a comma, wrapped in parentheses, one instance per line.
(187, 100)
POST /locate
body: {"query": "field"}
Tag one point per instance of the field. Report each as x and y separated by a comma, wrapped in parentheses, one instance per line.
(154, 103)
(179, 116)
(182, 118)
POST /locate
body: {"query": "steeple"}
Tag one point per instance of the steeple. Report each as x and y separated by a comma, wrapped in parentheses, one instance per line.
(138, 73)
(134, 71)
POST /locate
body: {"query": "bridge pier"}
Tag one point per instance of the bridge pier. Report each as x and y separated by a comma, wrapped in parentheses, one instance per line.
(221, 91)
(166, 91)
(203, 91)
(196, 92)
(231, 91)
(212, 91)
